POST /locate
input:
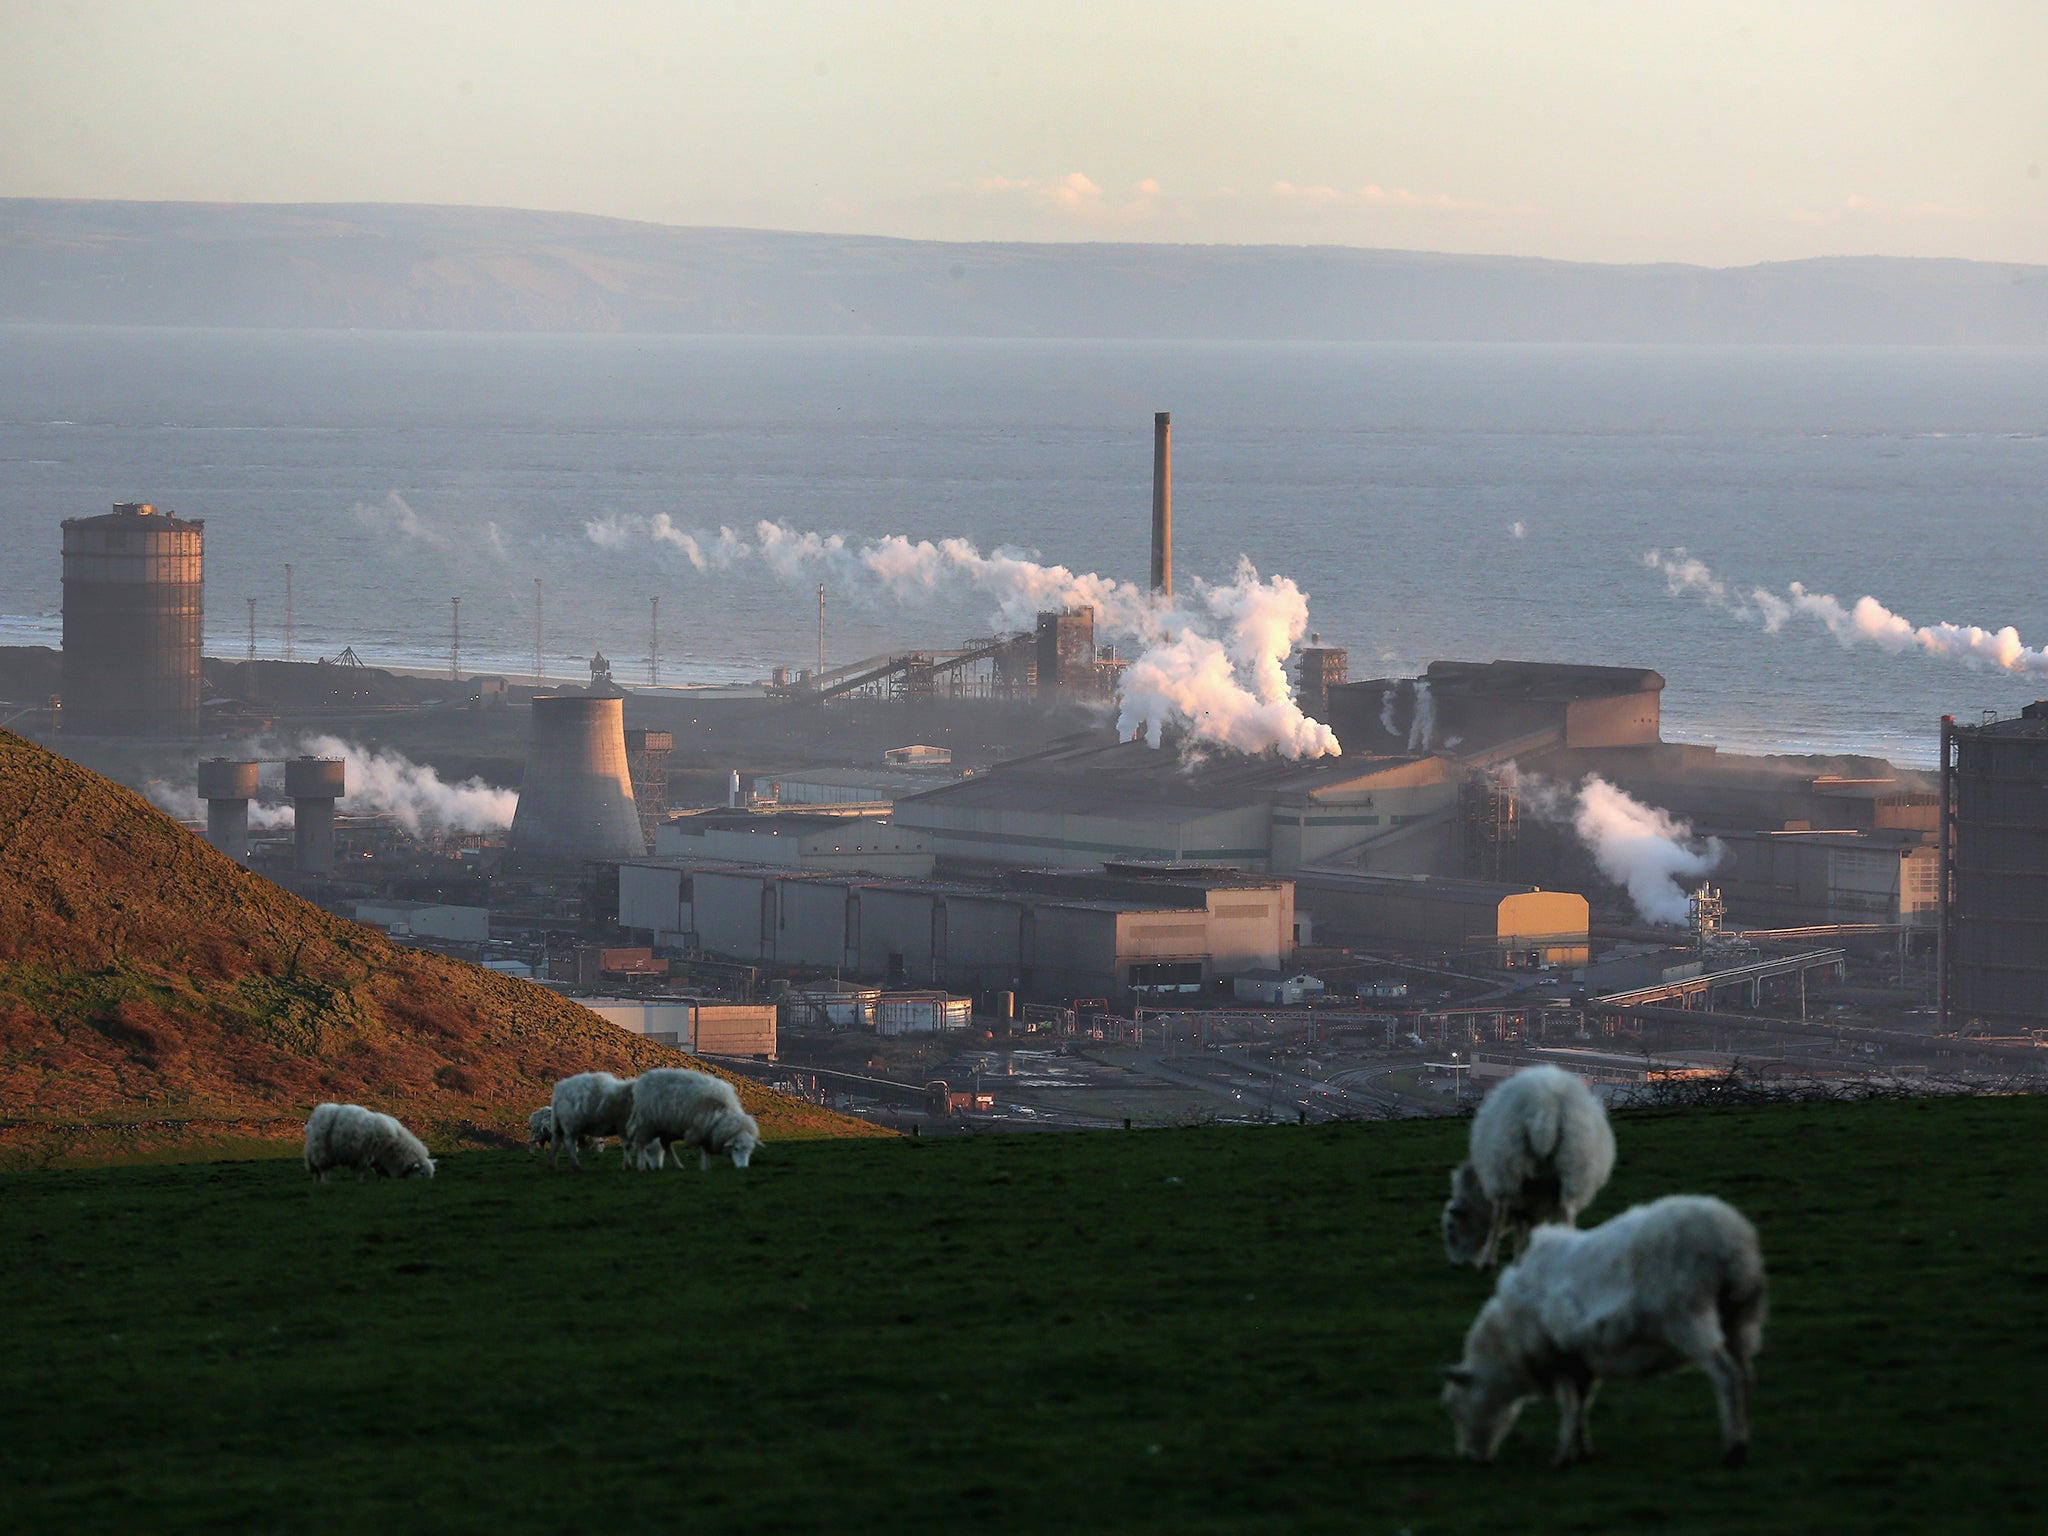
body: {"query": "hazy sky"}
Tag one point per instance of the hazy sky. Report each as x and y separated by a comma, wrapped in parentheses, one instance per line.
(1627, 130)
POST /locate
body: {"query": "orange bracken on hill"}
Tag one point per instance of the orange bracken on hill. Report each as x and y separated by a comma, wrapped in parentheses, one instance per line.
(158, 999)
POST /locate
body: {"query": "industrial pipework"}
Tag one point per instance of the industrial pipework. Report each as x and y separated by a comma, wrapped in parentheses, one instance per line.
(313, 784)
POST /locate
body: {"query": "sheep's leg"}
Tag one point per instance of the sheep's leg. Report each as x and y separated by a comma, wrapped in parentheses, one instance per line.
(1701, 1340)
(1493, 1235)
(1586, 1417)
(1574, 1389)
(1566, 1391)
(1731, 1392)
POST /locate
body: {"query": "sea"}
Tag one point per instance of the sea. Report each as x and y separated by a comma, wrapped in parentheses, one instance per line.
(1467, 502)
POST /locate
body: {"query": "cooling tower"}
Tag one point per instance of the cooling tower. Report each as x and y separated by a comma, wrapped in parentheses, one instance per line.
(313, 784)
(226, 786)
(577, 801)
(133, 610)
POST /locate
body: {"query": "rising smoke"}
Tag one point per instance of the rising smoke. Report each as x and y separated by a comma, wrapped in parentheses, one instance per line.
(1211, 661)
(1643, 848)
(379, 783)
(413, 794)
(398, 526)
(1421, 713)
(1863, 622)
(181, 802)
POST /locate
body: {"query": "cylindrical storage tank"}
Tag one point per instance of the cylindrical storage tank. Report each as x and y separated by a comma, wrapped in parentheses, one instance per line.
(576, 803)
(133, 614)
(313, 784)
(227, 787)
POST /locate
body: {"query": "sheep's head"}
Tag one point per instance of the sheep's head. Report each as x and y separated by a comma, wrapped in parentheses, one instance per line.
(1482, 1406)
(1468, 1217)
(422, 1169)
(737, 1136)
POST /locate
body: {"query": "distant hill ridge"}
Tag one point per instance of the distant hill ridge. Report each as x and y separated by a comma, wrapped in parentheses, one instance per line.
(408, 267)
(156, 998)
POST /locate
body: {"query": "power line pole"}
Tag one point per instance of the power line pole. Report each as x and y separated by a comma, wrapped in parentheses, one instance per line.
(653, 642)
(455, 640)
(290, 653)
(536, 632)
(252, 631)
(821, 629)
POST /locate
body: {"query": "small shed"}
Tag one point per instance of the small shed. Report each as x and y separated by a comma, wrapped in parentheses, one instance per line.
(922, 1013)
(1275, 989)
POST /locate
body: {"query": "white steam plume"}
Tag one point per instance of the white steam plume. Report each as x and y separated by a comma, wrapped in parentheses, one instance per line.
(1423, 725)
(379, 783)
(1863, 622)
(399, 528)
(1212, 659)
(182, 802)
(413, 794)
(1642, 848)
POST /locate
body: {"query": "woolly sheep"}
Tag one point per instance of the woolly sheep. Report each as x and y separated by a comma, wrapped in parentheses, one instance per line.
(674, 1104)
(1541, 1150)
(587, 1108)
(349, 1136)
(540, 1128)
(1679, 1281)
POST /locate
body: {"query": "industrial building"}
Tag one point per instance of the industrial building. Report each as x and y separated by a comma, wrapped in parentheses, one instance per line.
(1805, 879)
(1498, 924)
(1112, 932)
(815, 840)
(576, 802)
(1993, 838)
(134, 613)
(695, 1025)
(873, 789)
(1093, 797)
(427, 920)
(1476, 708)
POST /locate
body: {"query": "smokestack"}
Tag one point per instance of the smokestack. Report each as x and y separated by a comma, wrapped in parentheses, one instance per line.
(1162, 503)
(226, 787)
(577, 801)
(313, 784)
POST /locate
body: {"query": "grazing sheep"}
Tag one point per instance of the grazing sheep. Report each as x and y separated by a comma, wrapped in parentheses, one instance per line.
(349, 1136)
(1678, 1281)
(672, 1104)
(540, 1128)
(1541, 1150)
(587, 1108)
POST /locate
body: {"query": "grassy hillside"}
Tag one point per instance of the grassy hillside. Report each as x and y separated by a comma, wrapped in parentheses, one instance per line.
(1172, 1331)
(157, 998)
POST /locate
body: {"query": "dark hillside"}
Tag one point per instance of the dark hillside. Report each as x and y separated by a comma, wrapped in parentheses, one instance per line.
(154, 995)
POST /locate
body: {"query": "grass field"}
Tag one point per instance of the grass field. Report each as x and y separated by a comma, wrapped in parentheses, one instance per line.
(1173, 1331)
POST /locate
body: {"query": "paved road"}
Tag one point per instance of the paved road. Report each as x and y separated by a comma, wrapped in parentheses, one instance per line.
(1258, 1089)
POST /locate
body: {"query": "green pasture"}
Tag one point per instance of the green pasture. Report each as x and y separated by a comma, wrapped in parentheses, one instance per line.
(1174, 1331)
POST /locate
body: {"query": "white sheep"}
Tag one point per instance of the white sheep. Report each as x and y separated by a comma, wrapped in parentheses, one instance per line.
(587, 1108)
(350, 1136)
(1541, 1150)
(1678, 1281)
(674, 1104)
(540, 1128)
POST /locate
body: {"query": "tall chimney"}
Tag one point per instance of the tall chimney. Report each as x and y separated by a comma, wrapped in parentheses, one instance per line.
(1162, 503)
